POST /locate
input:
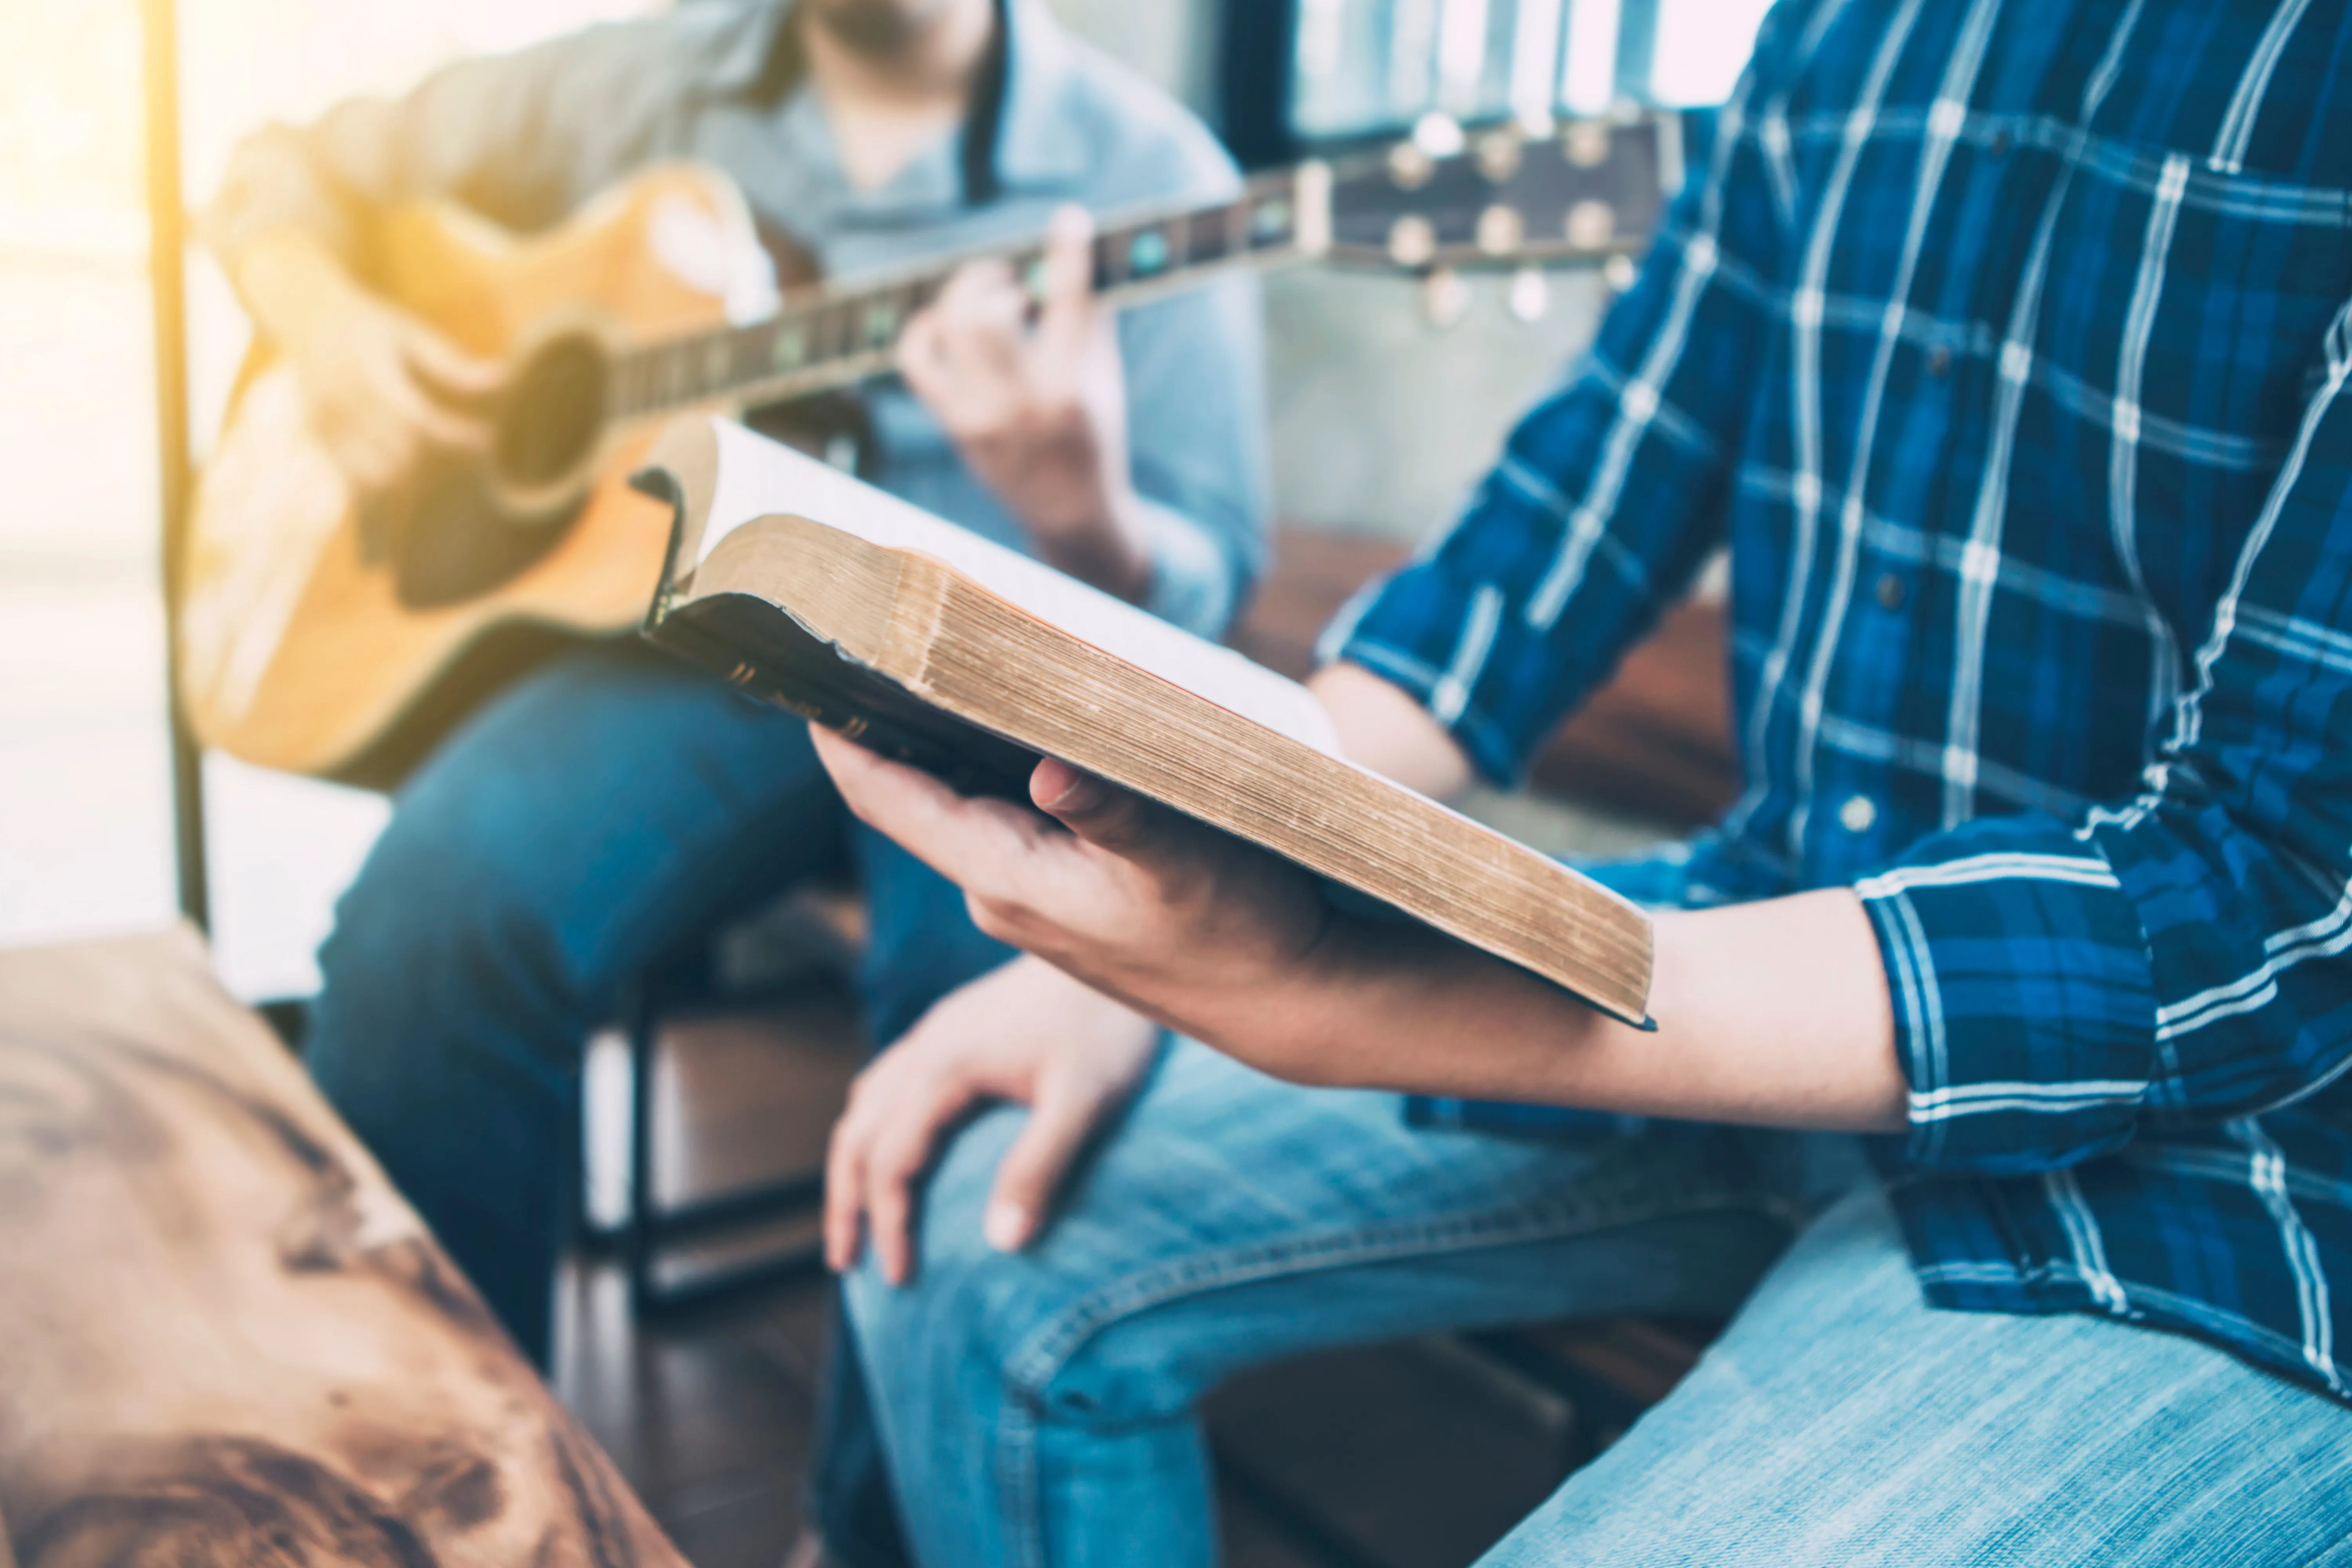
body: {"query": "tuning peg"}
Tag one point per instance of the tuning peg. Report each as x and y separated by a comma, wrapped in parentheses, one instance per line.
(1590, 226)
(1438, 135)
(1409, 167)
(1498, 153)
(1586, 143)
(1530, 295)
(1501, 231)
(1444, 297)
(1412, 241)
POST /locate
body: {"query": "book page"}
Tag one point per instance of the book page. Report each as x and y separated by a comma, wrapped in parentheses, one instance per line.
(758, 478)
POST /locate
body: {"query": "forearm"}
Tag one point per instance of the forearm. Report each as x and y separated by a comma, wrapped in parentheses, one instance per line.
(1772, 1014)
(1384, 727)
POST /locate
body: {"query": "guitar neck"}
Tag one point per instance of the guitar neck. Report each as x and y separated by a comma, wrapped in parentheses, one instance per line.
(837, 338)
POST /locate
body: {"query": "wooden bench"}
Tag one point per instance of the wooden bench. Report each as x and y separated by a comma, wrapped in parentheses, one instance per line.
(228, 1342)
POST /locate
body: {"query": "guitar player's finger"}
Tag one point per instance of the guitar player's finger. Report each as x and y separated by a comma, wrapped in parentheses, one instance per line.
(1066, 317)
(451, 368)
(371, 460)
(982, 333)
(916, 351)
(433, 425)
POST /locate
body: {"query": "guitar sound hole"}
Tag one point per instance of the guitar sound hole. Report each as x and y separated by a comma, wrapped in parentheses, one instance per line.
(554, 414)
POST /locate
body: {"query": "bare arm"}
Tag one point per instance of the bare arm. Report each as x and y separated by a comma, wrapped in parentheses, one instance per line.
(1774, 1013)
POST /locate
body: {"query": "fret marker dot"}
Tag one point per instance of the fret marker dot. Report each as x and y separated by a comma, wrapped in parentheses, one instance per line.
(1148, 252)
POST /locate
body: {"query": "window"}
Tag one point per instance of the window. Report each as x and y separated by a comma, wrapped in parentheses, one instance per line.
(1365, 66)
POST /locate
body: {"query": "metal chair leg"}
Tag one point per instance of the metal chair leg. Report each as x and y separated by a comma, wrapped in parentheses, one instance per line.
(651, 1229)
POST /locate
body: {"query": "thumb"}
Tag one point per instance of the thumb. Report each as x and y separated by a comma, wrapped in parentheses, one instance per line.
(1101, 813)
(1059, 1124)
(1065, 317)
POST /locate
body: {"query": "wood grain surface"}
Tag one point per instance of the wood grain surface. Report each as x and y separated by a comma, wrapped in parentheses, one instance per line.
(223, 1339)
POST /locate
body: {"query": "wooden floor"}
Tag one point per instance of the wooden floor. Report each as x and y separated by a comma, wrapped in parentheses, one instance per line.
(1392, 1457)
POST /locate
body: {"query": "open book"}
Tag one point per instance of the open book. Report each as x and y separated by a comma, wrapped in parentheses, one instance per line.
(930, 643)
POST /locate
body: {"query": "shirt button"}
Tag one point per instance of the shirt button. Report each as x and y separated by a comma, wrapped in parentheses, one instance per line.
(1939, 360)
(1857, 814)
(1890, 591)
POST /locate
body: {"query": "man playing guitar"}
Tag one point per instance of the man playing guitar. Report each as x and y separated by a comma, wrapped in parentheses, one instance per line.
(608, 807)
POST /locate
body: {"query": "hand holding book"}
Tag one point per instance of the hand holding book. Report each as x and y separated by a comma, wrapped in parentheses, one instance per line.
(1181, 923)
(1771, 1012)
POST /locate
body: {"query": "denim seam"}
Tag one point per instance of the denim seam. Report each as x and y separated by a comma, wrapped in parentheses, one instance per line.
(1030, 1369)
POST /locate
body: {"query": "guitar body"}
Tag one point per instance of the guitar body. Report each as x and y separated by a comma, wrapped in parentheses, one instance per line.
(323, 636)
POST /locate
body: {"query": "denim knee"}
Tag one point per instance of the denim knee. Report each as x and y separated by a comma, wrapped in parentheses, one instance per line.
(1042, 1330)
(442, 934)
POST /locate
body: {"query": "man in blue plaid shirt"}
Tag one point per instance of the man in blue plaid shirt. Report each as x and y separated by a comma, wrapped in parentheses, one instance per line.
(2006, 342)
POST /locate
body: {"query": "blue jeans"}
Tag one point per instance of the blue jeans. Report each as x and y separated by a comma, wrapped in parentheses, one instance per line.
(1039, 1410)
(607, 811)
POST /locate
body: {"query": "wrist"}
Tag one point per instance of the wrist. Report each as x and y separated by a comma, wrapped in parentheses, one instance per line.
(1097, 534)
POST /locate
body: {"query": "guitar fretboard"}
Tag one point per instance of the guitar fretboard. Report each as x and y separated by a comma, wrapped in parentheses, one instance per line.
(831, 338)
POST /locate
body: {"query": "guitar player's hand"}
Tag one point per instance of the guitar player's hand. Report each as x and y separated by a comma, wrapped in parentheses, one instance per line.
(1025, 1033)
(1030, 391)
(376, 382)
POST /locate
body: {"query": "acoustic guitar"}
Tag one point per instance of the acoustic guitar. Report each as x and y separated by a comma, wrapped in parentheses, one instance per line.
(337, 635)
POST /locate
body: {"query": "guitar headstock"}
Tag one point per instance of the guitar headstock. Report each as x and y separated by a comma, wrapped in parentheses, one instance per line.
(1582, 191)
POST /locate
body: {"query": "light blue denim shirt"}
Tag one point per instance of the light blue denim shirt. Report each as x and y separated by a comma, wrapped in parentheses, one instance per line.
(527, 138)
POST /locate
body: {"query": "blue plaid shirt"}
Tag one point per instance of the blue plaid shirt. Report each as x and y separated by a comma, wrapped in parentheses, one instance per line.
(2006, 344)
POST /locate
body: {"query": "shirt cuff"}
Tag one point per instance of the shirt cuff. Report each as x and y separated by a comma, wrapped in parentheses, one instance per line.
(1192, 580)
(2024, 1002)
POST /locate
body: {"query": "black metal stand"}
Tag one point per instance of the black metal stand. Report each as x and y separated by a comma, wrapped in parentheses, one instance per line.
(658, 1292)
(167, 285)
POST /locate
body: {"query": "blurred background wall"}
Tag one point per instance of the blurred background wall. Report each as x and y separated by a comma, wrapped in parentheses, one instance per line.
(1381, 420)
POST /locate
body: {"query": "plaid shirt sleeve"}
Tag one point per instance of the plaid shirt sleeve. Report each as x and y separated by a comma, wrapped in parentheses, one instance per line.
(1609, 493)
(2174, 960)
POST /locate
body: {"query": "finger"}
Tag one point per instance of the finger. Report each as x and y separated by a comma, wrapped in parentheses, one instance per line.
(373, 462)
(973, 841)
(918, 350)
(1066, 320)
(845, 1186)
(450, 367)
(1101, 813)
(1062, 1119)
(924, 365)
(983, 336)
(428, 422)
(974, 282)
(901, 1150)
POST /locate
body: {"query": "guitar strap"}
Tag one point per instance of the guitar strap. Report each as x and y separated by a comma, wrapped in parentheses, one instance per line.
(819, 423)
